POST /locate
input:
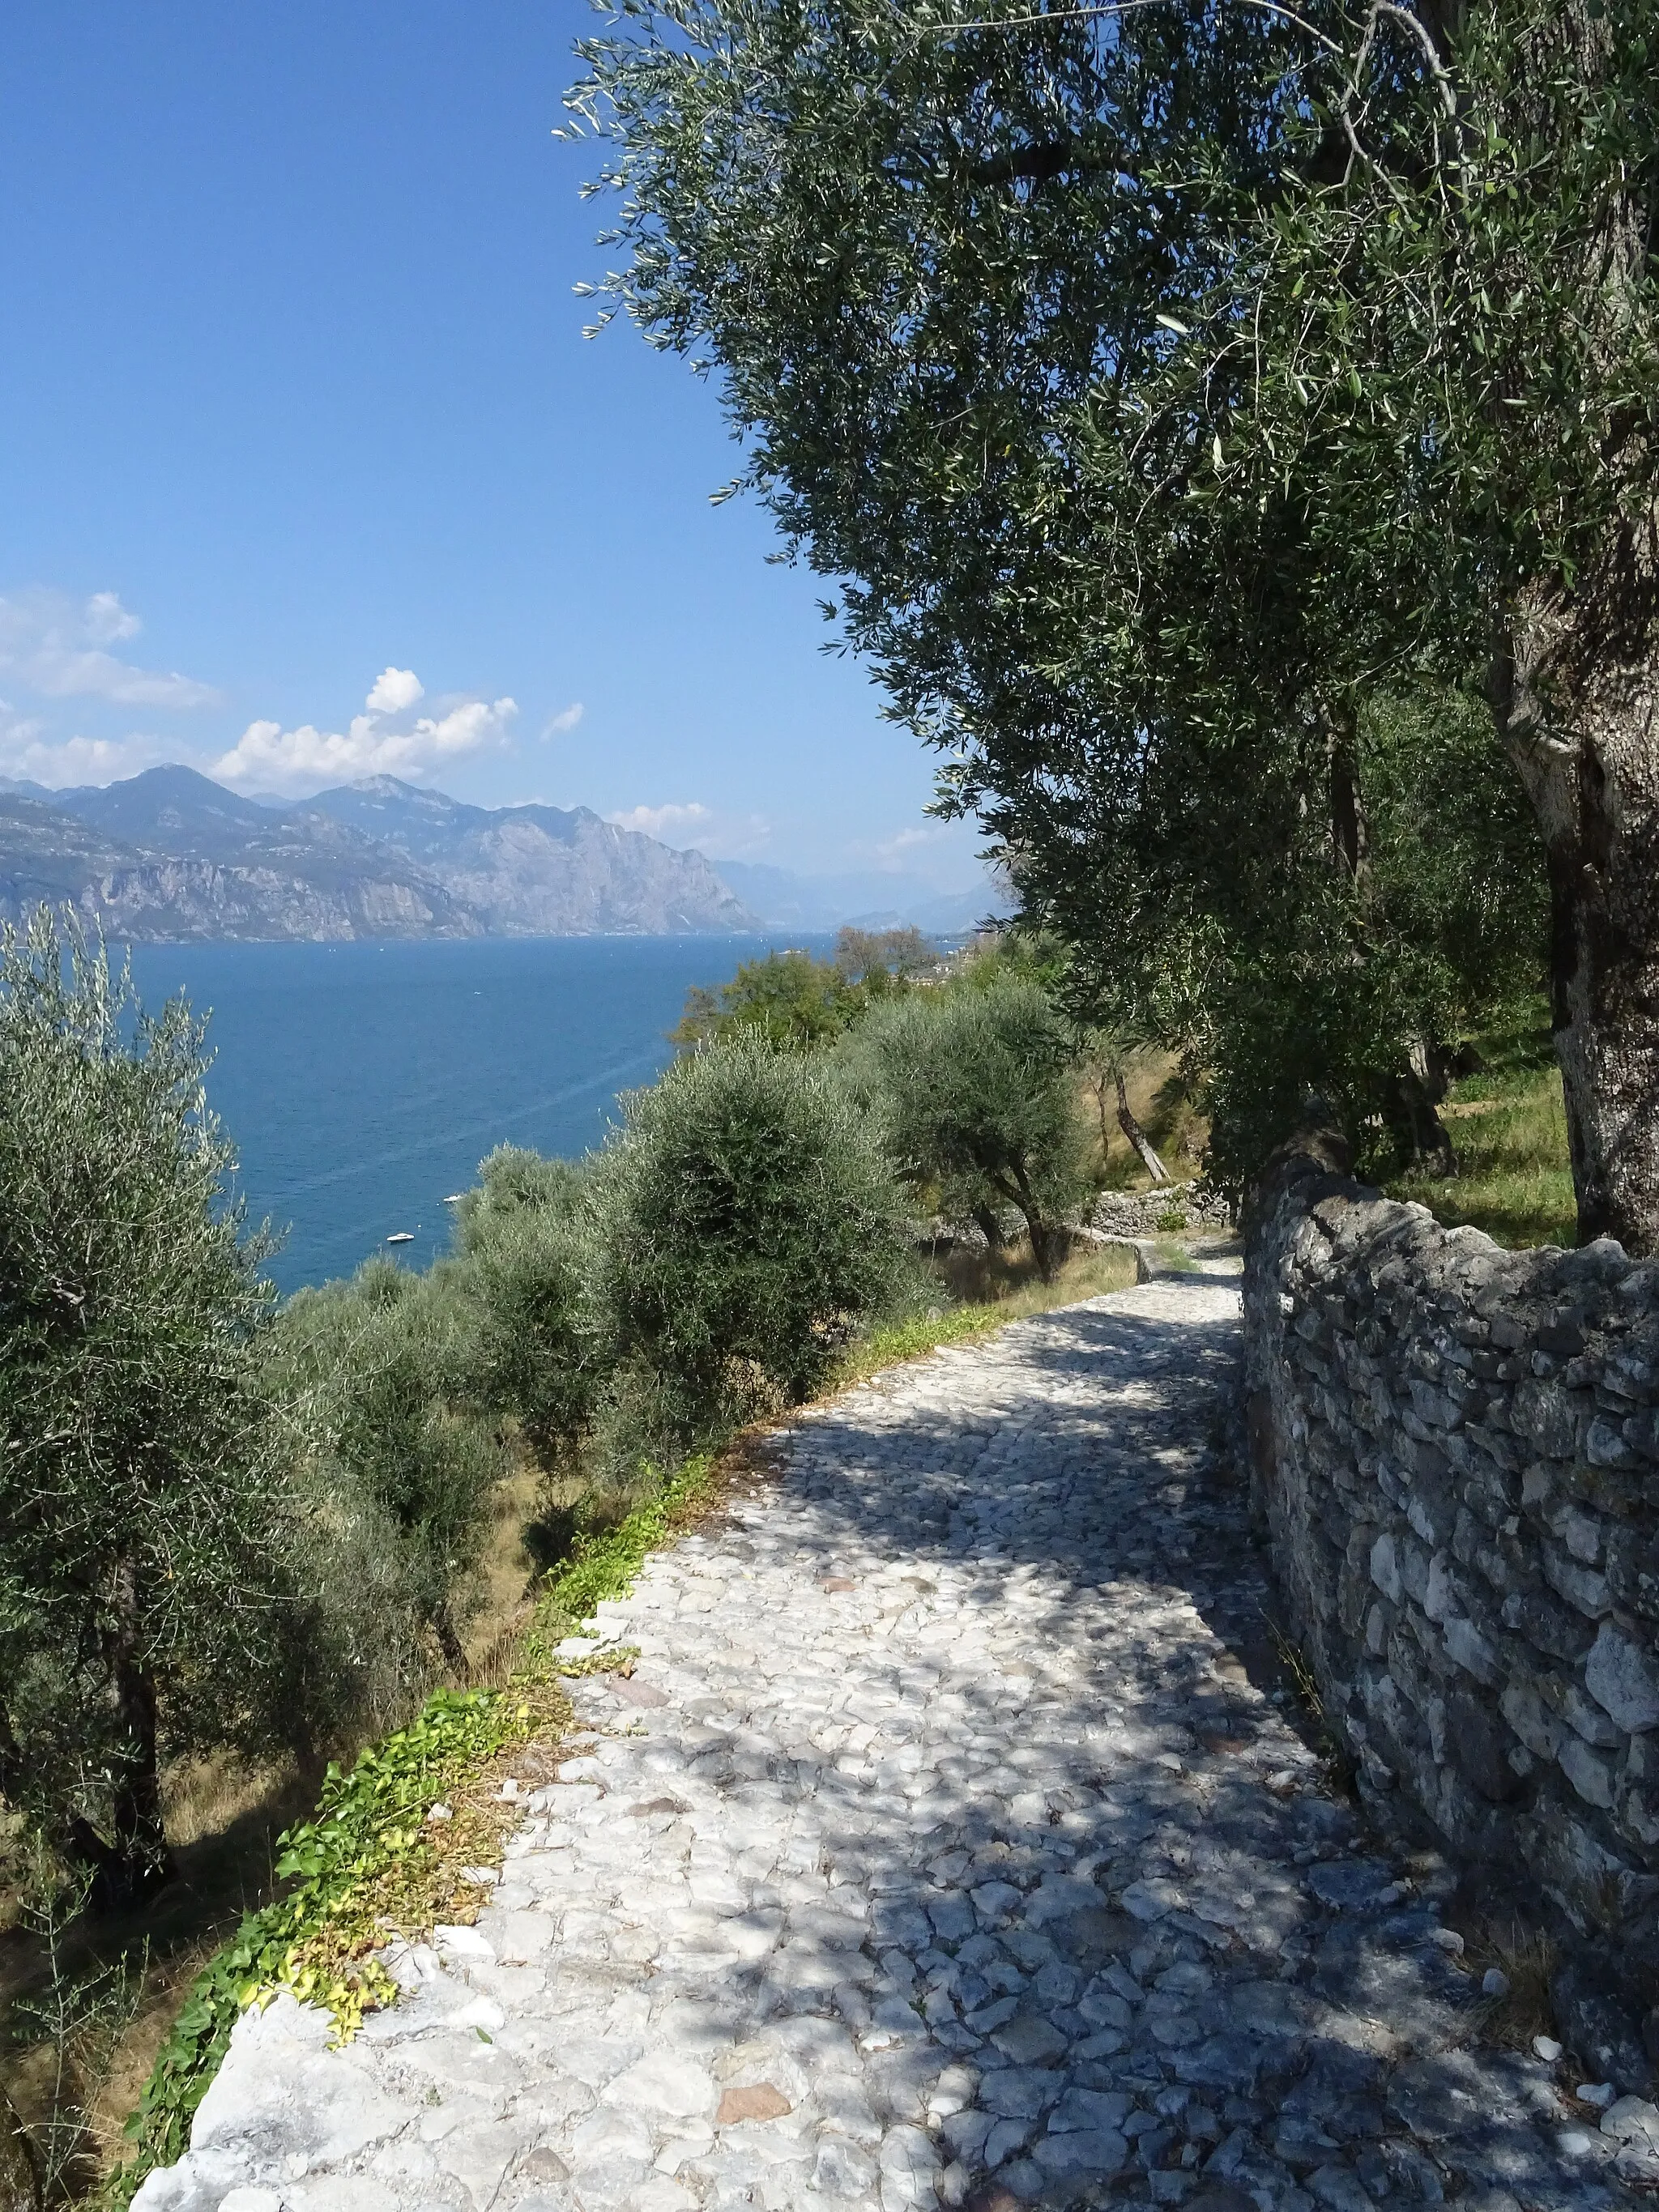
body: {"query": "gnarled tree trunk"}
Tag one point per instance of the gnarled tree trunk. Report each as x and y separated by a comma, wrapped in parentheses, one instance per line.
(1048, 1237)
(989, 1227)
(1424, 1085)
(449, 1640)
(1575, 691)
(136, 1860)
(1137, 1136)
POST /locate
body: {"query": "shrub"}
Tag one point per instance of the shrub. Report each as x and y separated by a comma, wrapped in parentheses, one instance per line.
(792, 999)
(976, 1090)
(377, 1375)
(521, 1241)
(745, 1225)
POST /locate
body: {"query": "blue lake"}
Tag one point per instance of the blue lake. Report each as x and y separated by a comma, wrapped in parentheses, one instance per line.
(362, 1083)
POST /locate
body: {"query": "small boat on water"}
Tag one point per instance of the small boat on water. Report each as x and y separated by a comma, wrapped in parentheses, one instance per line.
(455, 1197)
(401, 1236)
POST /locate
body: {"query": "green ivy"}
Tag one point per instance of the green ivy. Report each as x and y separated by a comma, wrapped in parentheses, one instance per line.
(317, 1939)
(369, 1822)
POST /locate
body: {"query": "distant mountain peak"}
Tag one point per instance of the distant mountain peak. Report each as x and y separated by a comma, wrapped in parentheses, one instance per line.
(393, 786)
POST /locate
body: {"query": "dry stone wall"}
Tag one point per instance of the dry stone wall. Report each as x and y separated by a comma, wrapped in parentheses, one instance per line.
(1143, 1212)
(1456, 1450)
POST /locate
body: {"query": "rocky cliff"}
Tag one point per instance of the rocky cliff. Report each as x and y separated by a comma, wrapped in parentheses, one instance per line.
(170, 855)
(540, 871)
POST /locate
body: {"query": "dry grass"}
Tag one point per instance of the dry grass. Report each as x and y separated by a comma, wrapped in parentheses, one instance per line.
(205, 1798)
(1158, 1102)
(1527, 1957)
(1336, 1767)
(1511, 1133)
(493, 1632)
(1007, 1283)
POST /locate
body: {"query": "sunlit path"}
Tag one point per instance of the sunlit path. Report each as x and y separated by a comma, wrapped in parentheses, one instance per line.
(939, 1848)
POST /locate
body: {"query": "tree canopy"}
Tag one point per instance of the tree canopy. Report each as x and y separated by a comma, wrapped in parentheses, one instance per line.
(975, 1090)
(745, 1223)
(791, 997)
(1160, 385)
(144, 1523)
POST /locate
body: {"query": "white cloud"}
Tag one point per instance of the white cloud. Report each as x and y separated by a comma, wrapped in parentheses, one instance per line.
(371, 744)
(937, 850)
(892, 848)
(107, 620)
(395, 690)
(26, 754)
(565, 718)
(721, 837)
(672, 820)
(55, 644)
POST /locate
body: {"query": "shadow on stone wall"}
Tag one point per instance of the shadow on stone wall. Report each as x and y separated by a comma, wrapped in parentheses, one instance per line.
(1455, 1449)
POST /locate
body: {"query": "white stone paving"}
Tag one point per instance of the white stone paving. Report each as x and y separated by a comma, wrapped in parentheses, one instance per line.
(938, 1849)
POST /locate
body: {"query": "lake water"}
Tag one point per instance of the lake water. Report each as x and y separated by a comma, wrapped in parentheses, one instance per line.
(362, 1082)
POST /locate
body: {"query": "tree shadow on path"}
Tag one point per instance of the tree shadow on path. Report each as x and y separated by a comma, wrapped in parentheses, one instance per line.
(1106, 1874)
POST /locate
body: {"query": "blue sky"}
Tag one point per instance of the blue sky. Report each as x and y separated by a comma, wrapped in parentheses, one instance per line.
(298, 416)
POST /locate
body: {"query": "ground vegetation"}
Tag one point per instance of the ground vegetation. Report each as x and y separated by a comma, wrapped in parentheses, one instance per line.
(1509, 1121)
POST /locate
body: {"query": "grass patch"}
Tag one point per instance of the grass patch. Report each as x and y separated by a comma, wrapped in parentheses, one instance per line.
(1509, 1125)
(1173, 1257)
(1007, 1285)
(603, 1564)
(1527, 1957)
(912, 1339)
(1336, 1767)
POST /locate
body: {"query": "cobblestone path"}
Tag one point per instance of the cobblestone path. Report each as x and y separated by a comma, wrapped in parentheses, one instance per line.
(938, 1850)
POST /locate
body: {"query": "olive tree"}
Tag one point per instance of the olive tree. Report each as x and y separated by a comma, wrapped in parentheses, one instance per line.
(143, 1515)
(745, 1223)
(977, 1088)
(379, 1378)
(522, 1242)
(1158, 382)
(792, 999)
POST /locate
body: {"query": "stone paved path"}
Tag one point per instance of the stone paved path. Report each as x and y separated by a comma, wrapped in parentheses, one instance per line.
(938, 1850)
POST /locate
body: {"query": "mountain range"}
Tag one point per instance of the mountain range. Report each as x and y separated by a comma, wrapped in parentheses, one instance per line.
(169, 855)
